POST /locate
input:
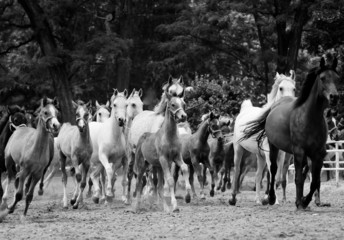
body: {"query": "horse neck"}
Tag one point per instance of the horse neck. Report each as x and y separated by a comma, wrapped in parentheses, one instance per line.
(219, 145)
(203, 131)
(42, 135)
(127, 127)
(85, 135)
(169, 125)
(315, 104)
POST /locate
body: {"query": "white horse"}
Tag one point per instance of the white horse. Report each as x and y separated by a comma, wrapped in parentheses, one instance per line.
(109, 146)
(283, 86)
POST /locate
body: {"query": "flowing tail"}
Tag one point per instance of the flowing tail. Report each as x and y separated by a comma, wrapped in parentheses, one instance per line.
(256, 127)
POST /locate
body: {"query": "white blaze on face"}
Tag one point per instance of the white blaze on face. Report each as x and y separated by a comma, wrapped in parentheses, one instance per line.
(81, 121)
(175, 89)
(53, 121)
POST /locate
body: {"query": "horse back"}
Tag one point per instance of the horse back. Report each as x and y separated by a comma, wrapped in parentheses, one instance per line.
(19, 143)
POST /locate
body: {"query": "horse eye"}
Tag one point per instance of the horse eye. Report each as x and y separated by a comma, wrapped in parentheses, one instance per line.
(281, 89)
(114, 105)
(133, 105)
(173, 105)
(45, 113)
(100, 114)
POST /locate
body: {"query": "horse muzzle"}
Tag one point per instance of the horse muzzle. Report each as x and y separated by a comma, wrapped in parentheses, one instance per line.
(334, 99)
(121, 122)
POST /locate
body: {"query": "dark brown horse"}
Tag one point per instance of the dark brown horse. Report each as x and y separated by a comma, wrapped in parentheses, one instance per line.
(298, 126)
(30, 150)
(14, 117)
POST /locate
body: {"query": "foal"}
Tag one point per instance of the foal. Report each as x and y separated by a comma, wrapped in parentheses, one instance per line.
(195, 150)
(30, 150)
(161, 149)
(74, 142)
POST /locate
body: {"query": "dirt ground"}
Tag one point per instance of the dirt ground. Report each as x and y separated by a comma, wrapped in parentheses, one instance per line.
(212, 218)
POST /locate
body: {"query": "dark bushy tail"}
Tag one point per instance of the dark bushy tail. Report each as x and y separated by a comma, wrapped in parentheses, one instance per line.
(256, 127)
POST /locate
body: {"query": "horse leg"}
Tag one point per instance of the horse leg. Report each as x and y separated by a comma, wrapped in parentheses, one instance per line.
(271, 160)
(315, 184)
(141, 169)
(191, 180)
(94, 175)
(160, 187)
(259, 175)
(238, 154)
(210, 164)
(125, 179)
(89, 191)
(22, 175)
(299, 162)
(197, 168)
(185, 170)
(285, 174)
(110, 174)
(29, 195)
(130, 175)
(85, 168)
(1, 189)
(27, 184)
(175, 174)
(64, 180)
(170, 181)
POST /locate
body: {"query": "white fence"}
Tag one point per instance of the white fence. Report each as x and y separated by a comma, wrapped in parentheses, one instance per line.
(336, 162)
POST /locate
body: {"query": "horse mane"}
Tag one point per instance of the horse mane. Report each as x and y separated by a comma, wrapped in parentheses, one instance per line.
(307, 86)
(161, 106)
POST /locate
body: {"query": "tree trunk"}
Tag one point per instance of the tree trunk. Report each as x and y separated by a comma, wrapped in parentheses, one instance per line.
(49, 48)
(289, 34)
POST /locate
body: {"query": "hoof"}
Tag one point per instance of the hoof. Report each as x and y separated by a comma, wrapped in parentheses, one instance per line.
(40, 192)
(109, 199)
(188, 198)
(229, 185)
(95, 200)
(75, 206)
(232, 201)
(265, 201)
(323, 204)
(176, 210)
(223, 189)
(272, 200)
(218, 188)
(65, 207)
(127, 202)
(202, 197)
(212, 193)
(72, 202)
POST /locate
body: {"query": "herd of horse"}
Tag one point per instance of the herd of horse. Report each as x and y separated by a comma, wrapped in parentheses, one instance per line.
(156, 146)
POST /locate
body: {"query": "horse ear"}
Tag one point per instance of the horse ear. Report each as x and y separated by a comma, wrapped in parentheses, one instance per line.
(75, 105)
(322, 63)
(334, 63)
(44, 101)
(89, 104)
(277, 75)
(97, 104)
(292, 75)
(170, 80)
(115, 92)
(125, 93)
(140, 92)
(211, 115)
(107, 103)
(180, 80)
(55, 102)
(132, 92)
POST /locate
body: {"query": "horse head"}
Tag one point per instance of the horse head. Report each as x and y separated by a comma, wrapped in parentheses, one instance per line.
(134, 104)
(214, 125)
(119, 106)
(83, 114)
(283, 86)
(102, 112)
(328, 77)
(48, 113)
(176, 107)
(174, 87)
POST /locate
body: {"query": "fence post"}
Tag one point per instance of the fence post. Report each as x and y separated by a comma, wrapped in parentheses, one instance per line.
(337, 165)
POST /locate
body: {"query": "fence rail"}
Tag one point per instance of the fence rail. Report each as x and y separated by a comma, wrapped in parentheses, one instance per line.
(337, 161)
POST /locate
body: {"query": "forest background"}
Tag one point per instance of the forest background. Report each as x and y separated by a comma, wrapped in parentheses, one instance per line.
(226, 50)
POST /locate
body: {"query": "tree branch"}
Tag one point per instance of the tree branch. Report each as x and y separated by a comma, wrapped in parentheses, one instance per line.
(10, 48)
